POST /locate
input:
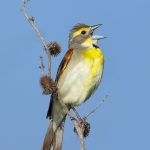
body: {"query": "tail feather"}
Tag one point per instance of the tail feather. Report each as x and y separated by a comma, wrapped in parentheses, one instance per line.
(58, 139)
(54, 134)
(48, 137)
(54, 138)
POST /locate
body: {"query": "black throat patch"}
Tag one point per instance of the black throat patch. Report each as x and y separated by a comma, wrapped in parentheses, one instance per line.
(94, 45)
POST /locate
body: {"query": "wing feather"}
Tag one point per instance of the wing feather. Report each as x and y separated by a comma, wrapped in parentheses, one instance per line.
(64, 63)
(61, 69)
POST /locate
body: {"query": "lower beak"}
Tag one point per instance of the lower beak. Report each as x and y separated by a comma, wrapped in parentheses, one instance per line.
(98, 37)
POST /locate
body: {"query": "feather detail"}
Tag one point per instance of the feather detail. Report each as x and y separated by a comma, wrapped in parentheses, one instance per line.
(64, 63)
(61, 69)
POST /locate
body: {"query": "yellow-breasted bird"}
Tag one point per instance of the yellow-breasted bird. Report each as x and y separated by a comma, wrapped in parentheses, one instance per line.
(78, 76)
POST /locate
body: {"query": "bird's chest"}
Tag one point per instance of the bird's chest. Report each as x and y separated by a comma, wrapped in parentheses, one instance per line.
(95, 60)
(82, 74)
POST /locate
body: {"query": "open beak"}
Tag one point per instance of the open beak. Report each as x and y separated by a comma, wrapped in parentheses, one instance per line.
(95, 27)
(95, 38)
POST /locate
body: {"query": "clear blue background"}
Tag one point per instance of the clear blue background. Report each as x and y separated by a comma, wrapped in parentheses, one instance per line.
(123, 122)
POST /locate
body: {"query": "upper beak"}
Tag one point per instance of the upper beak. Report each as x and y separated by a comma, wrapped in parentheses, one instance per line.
(95, 27)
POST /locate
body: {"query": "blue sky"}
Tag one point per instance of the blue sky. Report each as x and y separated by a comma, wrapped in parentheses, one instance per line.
(123, 121)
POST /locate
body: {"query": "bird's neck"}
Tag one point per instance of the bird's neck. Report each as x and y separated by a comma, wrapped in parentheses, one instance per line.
(87, 44)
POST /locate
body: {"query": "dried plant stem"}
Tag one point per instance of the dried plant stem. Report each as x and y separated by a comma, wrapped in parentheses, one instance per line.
(77, 114)
(32, 22)
(99, 105)
(76, 125)
(74, 121)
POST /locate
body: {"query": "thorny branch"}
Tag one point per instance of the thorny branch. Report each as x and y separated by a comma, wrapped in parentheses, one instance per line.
(77, 123)
(32, 22)
(74, 121)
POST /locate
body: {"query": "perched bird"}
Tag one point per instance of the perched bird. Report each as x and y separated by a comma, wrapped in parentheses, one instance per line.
(78, 76)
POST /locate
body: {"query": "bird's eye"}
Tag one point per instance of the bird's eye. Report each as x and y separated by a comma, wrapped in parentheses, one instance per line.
(83, 32)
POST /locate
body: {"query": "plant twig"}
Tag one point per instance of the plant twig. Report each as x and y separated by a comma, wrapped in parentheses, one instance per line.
(77, 114)
(76, 124)
(74, 121)
(32, 22)
(99, 105)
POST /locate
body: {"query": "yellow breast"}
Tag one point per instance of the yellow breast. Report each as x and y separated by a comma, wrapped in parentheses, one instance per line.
(81, 77)
(95, 59)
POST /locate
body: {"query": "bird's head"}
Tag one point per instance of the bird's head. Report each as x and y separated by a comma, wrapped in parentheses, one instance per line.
(81, 36)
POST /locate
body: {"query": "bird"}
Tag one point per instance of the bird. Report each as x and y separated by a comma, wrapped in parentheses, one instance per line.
(78, 76)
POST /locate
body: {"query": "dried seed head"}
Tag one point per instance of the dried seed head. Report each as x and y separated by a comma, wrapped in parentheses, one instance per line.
(54, 48)
(47, 84)
(85, 126)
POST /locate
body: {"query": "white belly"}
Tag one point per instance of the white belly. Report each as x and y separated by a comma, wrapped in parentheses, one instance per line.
(74, 86)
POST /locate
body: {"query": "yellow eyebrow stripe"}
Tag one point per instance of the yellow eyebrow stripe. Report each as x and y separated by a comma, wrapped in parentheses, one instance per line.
(79, 31)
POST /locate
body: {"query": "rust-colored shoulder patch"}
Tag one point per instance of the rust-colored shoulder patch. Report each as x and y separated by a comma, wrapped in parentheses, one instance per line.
(64, 63)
